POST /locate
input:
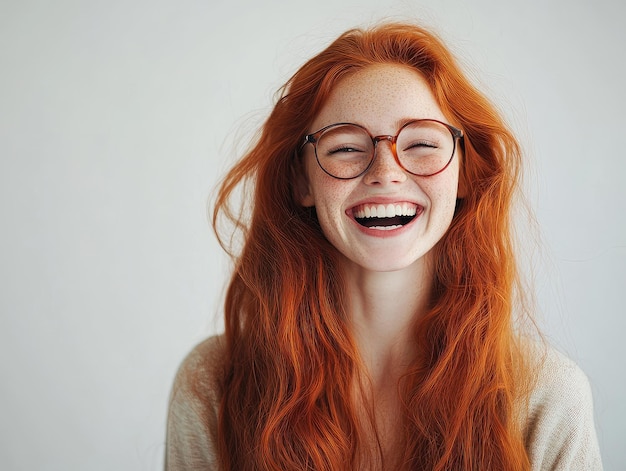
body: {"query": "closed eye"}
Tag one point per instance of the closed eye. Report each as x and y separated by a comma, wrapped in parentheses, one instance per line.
(344, 149)
(422, 144)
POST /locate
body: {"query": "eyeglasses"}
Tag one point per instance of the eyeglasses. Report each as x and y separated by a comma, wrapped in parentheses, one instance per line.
(422, 147)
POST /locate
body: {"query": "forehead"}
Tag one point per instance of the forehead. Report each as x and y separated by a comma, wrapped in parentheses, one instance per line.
(380, 97)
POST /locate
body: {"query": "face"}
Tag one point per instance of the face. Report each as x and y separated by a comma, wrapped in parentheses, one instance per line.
(381, 98)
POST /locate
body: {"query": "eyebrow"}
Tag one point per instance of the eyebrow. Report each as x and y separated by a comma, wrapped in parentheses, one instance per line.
(399, 123)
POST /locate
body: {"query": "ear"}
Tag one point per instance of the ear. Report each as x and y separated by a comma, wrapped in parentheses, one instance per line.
(302, 189)
(462, 189)
(303, 192)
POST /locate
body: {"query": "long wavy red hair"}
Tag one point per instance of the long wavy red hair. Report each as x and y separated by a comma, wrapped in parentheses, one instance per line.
(288, 396)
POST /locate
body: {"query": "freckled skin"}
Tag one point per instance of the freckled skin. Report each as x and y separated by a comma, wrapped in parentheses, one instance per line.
(381, 98)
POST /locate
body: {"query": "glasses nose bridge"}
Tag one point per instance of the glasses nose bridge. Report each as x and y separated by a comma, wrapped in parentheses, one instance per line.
(386, 137)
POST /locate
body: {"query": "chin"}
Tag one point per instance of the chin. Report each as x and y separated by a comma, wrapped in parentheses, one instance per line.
(385, 264)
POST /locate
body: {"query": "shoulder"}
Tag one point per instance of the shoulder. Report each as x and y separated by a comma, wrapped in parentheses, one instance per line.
(560, 430)
(193, 408)
(197, 380)
(557, 377)
(203, 364)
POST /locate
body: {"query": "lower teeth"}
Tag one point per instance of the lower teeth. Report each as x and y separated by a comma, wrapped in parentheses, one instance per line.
(385, 228)
(385, 223)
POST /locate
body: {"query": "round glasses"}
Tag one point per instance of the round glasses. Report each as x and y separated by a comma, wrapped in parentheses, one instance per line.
(422, 147)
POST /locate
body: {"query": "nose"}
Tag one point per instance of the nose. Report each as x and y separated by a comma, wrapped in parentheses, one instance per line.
(385, 168)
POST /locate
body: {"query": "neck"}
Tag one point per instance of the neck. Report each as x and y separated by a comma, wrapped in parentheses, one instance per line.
(384, 307)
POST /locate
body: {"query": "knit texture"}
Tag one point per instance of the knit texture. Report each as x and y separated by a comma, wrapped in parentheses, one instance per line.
(559, 431)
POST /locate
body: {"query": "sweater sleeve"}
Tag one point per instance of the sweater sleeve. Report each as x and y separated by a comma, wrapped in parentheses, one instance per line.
(192, 415)
(560, 432)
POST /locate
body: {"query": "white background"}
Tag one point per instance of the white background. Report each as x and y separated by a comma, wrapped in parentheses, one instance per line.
(117, 118)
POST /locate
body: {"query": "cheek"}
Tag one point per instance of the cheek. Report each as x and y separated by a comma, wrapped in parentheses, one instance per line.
(443, 193)
(324, 191)
(328, 203)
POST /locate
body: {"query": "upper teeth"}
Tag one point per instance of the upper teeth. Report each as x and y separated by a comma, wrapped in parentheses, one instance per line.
(384, 210)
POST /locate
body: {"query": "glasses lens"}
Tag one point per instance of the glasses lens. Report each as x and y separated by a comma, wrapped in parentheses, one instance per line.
(345, 150)
(425, 147)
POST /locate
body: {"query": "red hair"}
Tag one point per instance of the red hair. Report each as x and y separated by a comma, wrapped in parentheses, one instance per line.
(288, 396)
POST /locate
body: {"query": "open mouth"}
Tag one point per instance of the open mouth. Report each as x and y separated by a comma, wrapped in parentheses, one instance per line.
(385, 216)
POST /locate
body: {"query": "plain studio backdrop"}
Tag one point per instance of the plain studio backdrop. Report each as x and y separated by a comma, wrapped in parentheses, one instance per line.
(118, 117)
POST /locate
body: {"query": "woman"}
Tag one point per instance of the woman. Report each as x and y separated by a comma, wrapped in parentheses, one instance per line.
(370, 316)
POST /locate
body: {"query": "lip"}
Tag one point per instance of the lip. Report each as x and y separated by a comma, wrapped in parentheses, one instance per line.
(383, 234)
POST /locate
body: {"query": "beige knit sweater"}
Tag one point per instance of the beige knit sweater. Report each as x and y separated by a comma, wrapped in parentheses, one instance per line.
(560, 433)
